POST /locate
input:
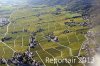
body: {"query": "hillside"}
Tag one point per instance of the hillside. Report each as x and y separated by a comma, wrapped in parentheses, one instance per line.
(52, 29)
(81, 6)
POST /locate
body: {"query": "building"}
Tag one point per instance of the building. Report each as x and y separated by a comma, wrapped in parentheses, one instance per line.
(3, 21)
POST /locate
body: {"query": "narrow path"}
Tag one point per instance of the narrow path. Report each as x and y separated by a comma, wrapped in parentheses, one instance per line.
(40, 58)
(8, 46)
(7, 33)
(70, 50)
(9, 23)
(47, 52)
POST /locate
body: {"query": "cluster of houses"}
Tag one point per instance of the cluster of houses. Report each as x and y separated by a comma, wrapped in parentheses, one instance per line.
(32, 42)
(21, 59)
(3, 21)
(52, 37)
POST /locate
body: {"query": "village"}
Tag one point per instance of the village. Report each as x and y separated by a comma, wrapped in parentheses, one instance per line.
(3, 21)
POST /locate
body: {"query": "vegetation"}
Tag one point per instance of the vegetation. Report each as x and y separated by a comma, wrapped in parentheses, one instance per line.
(44, 20)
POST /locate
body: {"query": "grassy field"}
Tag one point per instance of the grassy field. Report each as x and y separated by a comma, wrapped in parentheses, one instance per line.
(34, 18)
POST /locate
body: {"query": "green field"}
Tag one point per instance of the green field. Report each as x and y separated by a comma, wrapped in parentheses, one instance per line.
(34, 18)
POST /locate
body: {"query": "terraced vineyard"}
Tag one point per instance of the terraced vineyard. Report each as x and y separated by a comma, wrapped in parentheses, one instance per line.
(24, 21)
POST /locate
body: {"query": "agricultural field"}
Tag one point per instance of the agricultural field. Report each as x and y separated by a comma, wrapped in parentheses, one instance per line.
(43, 20)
